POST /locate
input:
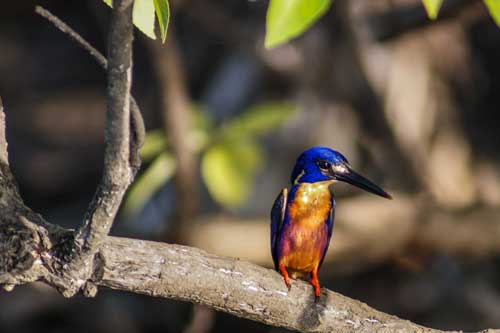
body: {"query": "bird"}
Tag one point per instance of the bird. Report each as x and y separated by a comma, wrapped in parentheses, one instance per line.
(302, 217)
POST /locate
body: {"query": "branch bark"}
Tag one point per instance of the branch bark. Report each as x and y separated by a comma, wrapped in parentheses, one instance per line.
(236, 287)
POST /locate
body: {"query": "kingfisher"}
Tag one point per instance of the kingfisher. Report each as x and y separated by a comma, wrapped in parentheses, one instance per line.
(302, 218)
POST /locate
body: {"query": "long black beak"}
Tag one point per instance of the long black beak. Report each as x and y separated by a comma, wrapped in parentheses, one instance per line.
(350, 176)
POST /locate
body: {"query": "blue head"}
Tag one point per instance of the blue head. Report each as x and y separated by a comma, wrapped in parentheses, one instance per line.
(323, 164)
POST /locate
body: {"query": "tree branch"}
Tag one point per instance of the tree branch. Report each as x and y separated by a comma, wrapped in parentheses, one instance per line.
(117, 175)
(236, 287)
(184, 273)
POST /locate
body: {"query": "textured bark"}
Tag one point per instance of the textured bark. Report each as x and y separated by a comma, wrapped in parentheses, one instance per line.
(237, 287)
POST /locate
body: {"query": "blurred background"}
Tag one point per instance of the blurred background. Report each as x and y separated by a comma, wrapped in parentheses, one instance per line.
(413, 104)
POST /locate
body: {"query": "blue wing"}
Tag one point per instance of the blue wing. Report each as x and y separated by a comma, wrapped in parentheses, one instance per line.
(329, 222)
(277, 216)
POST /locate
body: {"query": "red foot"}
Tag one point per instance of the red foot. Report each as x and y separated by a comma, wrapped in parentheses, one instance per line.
(315, 283)
(284, 272)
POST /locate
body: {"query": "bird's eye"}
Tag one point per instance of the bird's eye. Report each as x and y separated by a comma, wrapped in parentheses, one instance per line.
(324, 165)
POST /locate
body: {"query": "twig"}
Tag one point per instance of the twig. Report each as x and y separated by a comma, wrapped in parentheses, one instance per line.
(137, 124)
(59, 24)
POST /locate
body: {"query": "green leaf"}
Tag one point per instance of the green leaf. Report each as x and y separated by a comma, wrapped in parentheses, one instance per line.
(432, 7)
(154, 143)
(228, 169)
(289, 18)
(150, 181)
(143, 16)
(163, 15)
(494, 9)
(259, 119)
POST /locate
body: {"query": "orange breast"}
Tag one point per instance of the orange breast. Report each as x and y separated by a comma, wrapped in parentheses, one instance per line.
(306, 236)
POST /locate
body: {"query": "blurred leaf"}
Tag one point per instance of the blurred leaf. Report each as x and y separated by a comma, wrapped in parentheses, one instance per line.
(163, 15)
(289, 18)
(148, 183)
(154, 143)
(199, 117)
(432, 7)
(259, 119)
(143, 16)
(228, 169)
(494, 9)
(201, 127)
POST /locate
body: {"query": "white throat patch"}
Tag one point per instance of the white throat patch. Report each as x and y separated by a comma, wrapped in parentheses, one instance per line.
(297, 179)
